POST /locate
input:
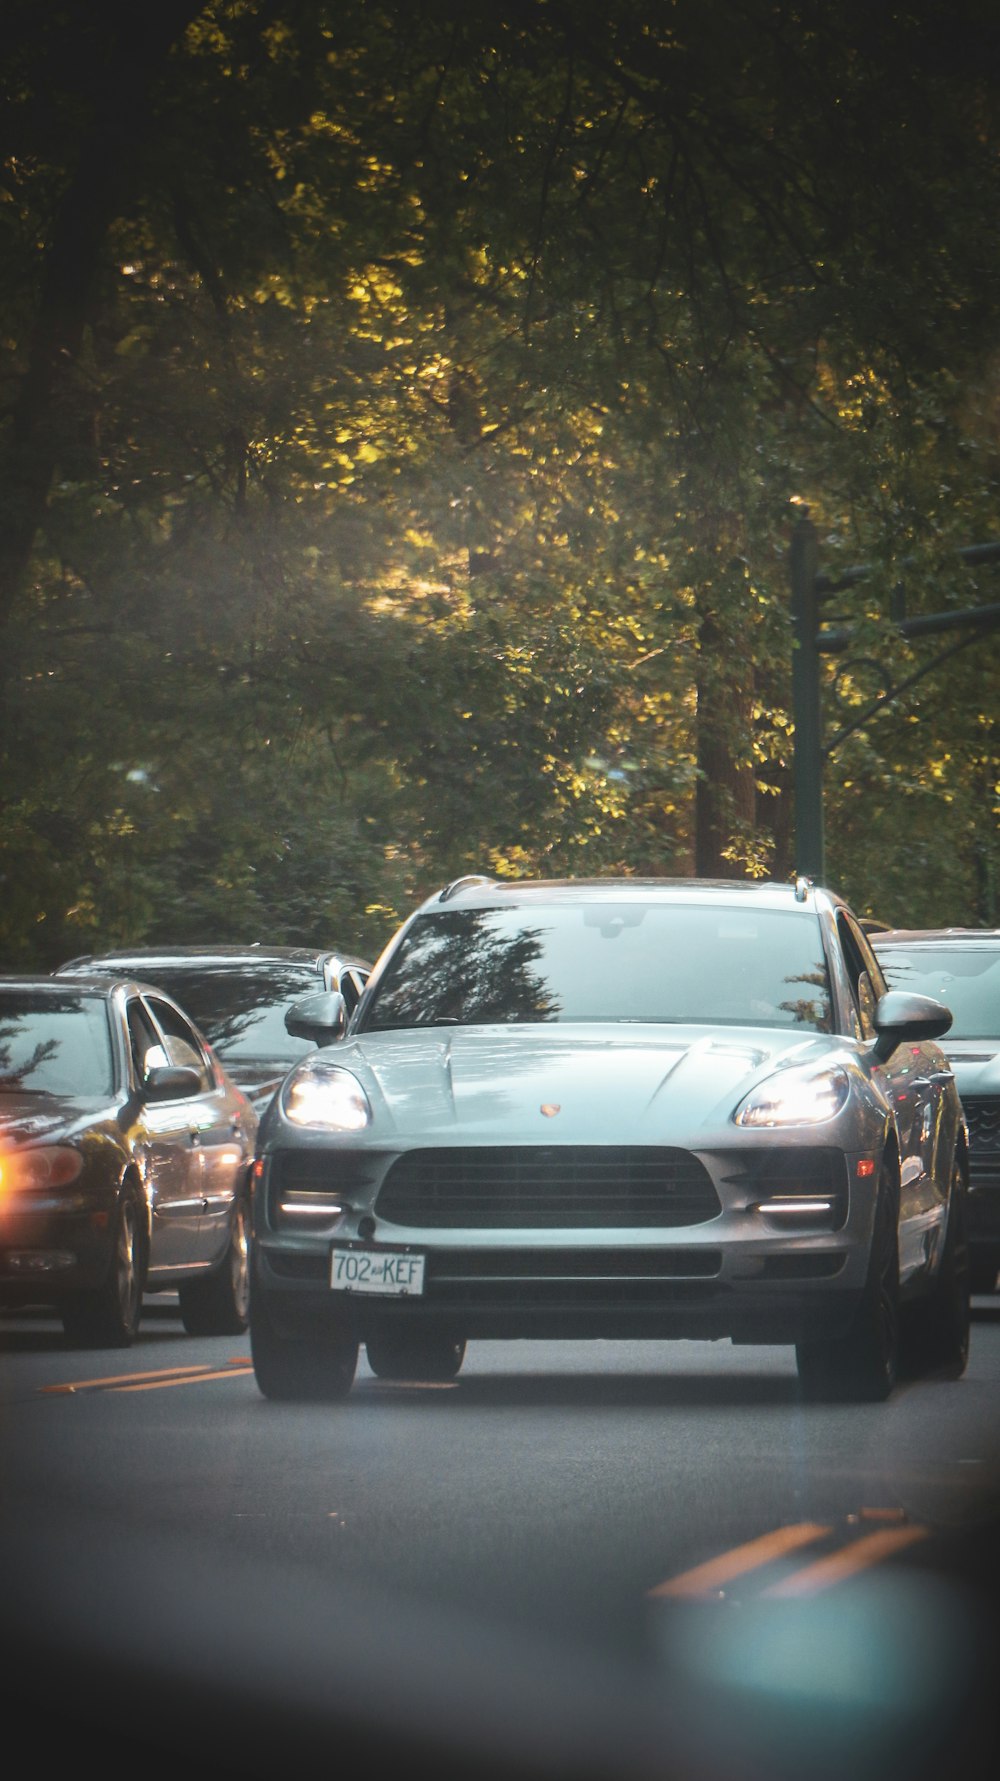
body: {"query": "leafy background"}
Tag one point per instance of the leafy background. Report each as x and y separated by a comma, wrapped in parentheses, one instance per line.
(406, 410)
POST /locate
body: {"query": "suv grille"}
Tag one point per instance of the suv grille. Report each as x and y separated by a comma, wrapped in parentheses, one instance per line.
(535, 1187)
(983, 1118)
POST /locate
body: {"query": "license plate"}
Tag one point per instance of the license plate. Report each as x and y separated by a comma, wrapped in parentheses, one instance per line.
(393, 1272)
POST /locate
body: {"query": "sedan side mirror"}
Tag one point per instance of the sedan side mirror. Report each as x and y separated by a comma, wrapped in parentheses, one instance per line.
(171, 1082)
(902, 1017)
(321, 1018)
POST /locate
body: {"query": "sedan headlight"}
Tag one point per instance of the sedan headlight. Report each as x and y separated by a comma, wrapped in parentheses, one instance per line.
(38, 1168)
(326, 1096)
(795, 1097)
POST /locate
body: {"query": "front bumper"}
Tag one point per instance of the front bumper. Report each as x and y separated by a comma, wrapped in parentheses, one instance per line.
(45, 1255)
(729, 1270)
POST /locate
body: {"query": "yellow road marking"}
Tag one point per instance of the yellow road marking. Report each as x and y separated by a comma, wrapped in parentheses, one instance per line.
(837, 1565)
(709, 1577)
(151, 1383)
(123, 1381)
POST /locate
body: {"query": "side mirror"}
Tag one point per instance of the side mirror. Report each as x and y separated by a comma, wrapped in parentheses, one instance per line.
(171, 1082)
(902, 1017)
(321, 1018)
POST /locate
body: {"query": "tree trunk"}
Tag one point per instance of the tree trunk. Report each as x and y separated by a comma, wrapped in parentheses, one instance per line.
(724, 796)
(117, 83)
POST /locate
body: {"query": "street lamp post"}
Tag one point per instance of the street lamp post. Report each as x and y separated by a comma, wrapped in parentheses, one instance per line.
(809, 642)
(808, 771)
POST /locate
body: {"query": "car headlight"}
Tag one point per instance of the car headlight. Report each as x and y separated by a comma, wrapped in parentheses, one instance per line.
(327, 1096)
(38, 1168)
(795, 1097)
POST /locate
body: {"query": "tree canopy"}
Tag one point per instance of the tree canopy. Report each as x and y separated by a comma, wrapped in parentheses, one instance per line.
(406, 408)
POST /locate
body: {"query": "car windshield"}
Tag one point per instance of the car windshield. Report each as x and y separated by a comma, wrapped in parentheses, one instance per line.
(55, 1044)
(598, 961)
(965, 978)
(240, 1008)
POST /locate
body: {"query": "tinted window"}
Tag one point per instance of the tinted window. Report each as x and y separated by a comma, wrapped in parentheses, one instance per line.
(181, 1044)
(240, 1010)
(147, 1050)
(55, 1045)
(606, 961)
(965, 978)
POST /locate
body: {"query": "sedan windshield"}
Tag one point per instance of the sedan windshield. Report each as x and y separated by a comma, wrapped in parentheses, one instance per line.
(617, 961)
(965, 978)
(58, 1045)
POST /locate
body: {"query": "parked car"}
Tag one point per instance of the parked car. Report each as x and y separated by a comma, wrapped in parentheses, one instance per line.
(125, 1156)
(961, 967)
(624, 1108)
(238, 995)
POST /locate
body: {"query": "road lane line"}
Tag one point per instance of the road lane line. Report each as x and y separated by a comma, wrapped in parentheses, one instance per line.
(159, 1384)
(708, 1578)
(115, 1379)
(870, 1550)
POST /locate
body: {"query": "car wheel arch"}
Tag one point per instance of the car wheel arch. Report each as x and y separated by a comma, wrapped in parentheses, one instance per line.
(133, 1183)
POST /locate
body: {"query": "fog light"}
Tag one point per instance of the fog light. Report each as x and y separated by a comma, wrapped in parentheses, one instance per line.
(795, 1206)
(40, 1261)
(310, 1206)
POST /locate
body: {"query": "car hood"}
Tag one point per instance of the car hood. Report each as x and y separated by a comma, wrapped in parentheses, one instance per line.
(31, 1119)
(976, 1064)
(584, 1083)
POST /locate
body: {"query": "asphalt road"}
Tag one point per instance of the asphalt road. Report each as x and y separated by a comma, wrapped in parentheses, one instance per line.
(578, 1560)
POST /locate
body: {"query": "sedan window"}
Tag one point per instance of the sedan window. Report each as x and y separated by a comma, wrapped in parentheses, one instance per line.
(56, 1045)
(180, 1041)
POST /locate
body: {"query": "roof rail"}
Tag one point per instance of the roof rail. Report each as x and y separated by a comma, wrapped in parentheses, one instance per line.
(457, 884)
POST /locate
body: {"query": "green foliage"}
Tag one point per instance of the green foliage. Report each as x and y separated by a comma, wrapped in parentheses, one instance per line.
(399, 443)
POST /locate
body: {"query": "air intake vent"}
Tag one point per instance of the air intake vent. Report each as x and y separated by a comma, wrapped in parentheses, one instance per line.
(534, 1187)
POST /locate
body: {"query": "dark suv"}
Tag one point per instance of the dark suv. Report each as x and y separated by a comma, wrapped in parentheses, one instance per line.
(961, 967)
(238, 996)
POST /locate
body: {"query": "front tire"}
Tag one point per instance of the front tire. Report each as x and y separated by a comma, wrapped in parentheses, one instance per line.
(397, 1354)
(936, 1330)
(108, 1316)
(862, 1366)
(218, 1304)
(314, 1367)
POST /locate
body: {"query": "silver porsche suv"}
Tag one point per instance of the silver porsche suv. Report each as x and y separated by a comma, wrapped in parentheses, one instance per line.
(627, 1108)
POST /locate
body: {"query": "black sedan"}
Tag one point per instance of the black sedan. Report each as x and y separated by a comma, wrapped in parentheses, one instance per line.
(239, 996)
(125, 1152)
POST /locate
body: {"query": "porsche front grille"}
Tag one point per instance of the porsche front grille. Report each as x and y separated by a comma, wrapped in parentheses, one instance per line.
(545, 1187)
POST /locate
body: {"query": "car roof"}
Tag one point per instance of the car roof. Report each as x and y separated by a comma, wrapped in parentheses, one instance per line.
(934, 936)
(176, 957)
(97, 983)
(478, 892)
(12, 980)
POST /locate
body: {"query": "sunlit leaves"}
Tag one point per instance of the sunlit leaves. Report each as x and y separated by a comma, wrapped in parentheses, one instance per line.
(424, 470)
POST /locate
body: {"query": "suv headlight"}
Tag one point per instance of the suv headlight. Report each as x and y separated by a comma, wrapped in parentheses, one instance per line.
(795, 1097)
(324, 1095)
